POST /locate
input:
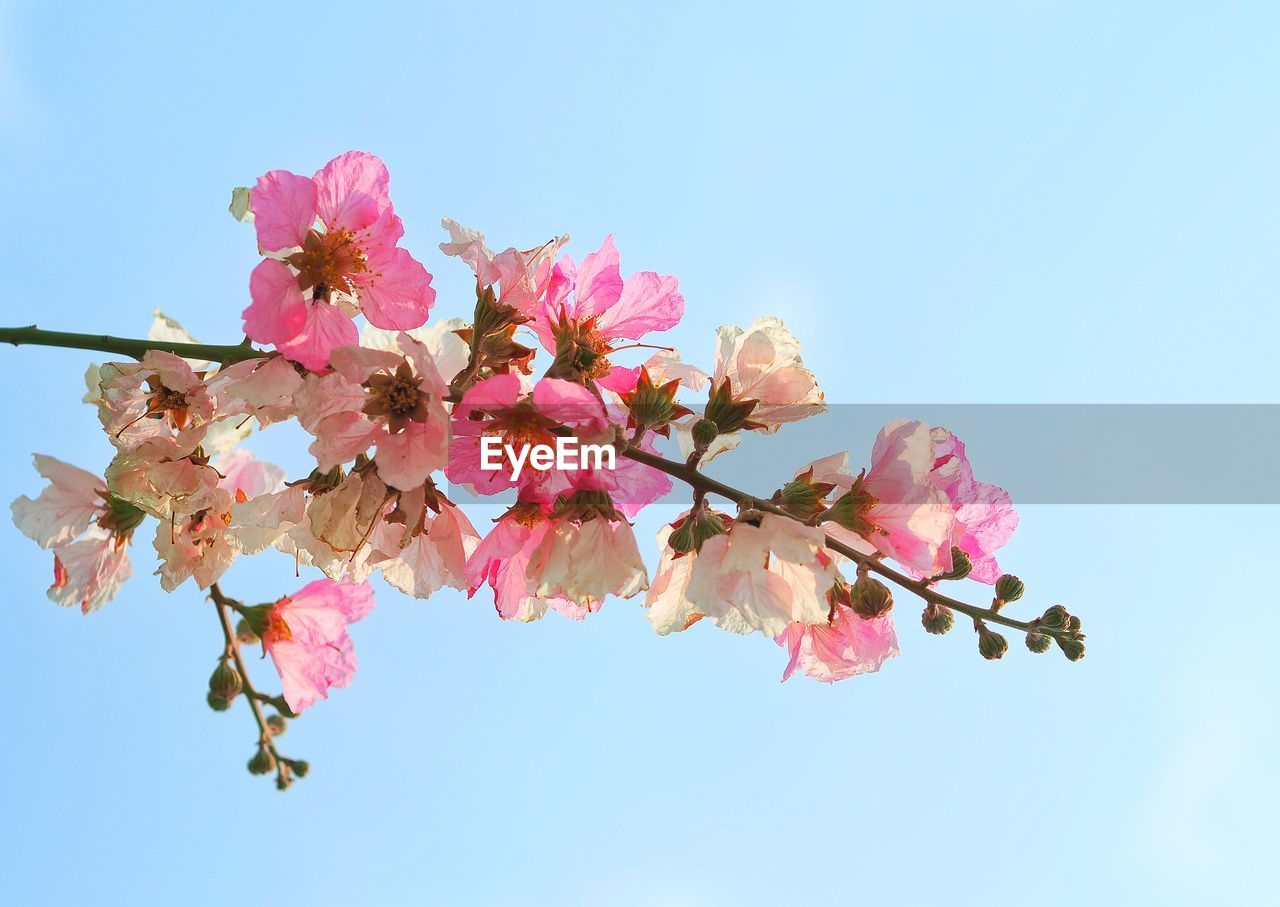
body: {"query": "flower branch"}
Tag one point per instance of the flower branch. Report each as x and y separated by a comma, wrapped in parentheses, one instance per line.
(124, 346)
(267, 757)
(392, 403)
(702, 483)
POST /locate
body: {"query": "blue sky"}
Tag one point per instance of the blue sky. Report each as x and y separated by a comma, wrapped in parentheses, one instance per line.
(1021, 202)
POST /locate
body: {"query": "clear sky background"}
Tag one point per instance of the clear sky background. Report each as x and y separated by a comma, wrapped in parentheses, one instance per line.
(977, 203)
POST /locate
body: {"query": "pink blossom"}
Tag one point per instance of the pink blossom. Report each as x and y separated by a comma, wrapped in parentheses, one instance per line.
(762, 577)
(984, 514)
(499, 408)
(528, 559)
(502, 557)
(89, 571)
(86, 527)
(199, 546)
(375, 398)
(843, 647)
(331, 242)
(159, 404)
(161, 486)
(246, 513)
(895, 508)
(523, 277)
(763, 364)
(587, 558)
(420, 551)
(589, 308)
(306, 636)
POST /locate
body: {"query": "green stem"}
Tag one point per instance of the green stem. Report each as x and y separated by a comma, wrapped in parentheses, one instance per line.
(124, 346)
(265, 738)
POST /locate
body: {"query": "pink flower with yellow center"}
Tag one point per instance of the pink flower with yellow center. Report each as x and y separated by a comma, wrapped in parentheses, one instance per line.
(331, 247)
(306, 636)
(590, 310)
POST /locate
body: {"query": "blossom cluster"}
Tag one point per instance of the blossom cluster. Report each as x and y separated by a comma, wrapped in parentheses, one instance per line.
(550, 352)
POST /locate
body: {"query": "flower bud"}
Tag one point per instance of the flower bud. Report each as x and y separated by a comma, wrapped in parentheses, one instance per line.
(283, 781)
(245, 634)
(937, 619)
(1073, 624)
(1009, 588)
(704, 432)
(1038, 642)
(1055, 618)
(870, 598)
(802, 497)
(300, 767)
(991, 644)
(681, 538)
(1071, 647)
(276, 724)
(225, 682)
(960, 565)
(262, 762)
(217, 703)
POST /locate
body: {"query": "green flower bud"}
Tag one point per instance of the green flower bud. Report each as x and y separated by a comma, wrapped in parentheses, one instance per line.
(1038, 642)
(1055, 618)
(217, 703)
(283, 781)
(937, 619)
(225, 682)
(262, 762)
(704, 432)
(276, 724)
(1071, 647)
(1009, 588)
(991, 644)
(1074, 624)
(300, 767)
(870, 598)
(245, 634)
(960, 565)
(681, 538)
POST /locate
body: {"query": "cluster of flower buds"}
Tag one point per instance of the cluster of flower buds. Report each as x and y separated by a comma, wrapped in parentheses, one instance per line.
(392, 406)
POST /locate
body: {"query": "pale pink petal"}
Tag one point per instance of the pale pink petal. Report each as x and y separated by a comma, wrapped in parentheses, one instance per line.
(278, 311)
(598, 282)
(64, 509)
(569, 403)
(352, 190)
(846, 647)
(245, 474)
(400, 295)
(340, 437)
(649, 302)
(405, 459)
(326, 329)
(489, 395)
(89, 572)
(284, 208)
